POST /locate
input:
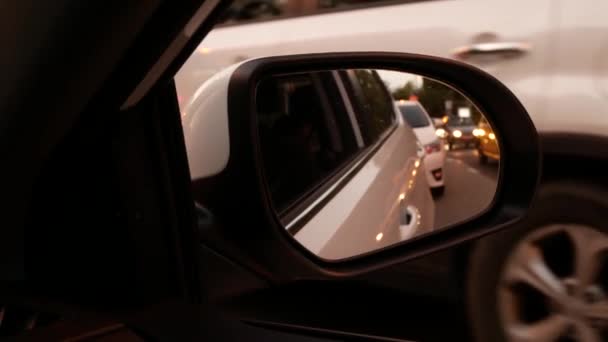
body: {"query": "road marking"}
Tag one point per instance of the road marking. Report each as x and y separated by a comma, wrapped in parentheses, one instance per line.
(472, 170)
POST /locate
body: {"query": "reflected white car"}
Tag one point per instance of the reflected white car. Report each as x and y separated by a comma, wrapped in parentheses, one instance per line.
(434, 161)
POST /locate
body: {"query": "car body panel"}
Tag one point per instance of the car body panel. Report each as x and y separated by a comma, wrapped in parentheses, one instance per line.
(426, 134)
(576, 96)
(488, 144)
(365, 215)
(434, 28)
(205, 123)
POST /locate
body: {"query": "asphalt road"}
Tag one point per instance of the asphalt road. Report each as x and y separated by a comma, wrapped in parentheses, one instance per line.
(469, 187)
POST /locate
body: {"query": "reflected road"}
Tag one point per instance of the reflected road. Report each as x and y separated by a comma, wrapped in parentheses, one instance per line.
(469, 187)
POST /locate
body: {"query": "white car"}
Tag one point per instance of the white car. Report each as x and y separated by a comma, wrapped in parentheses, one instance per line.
(420, 121)
(539, 56)
(553, 55)
(310, 145)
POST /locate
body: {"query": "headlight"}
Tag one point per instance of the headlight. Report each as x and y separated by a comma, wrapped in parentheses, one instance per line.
(457, 134)
(440, 132)
(491, 136)
(479, 132)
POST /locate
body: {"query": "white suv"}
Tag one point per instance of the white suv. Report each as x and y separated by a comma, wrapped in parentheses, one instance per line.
(553, 54)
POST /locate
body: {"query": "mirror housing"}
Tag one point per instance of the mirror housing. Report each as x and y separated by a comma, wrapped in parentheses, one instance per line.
(231, 182)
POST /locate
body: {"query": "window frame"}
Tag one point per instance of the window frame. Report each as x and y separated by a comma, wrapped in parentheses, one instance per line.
(354, 90)
(295, 217)
(301, 201)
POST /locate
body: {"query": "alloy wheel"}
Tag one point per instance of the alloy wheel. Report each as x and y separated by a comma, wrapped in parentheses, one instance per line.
(554, 286)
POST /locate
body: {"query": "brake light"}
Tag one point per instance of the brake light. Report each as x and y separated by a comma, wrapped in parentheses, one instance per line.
(432, 147)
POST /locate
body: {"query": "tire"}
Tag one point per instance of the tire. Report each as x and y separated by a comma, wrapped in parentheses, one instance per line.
(438, 191)
(570, 204)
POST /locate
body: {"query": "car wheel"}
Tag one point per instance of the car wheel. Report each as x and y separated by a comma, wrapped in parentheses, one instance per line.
(438, 191)
(483, 159)
(545, 279)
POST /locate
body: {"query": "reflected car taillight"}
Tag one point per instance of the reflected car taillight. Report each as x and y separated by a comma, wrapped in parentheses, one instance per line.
(432, 147)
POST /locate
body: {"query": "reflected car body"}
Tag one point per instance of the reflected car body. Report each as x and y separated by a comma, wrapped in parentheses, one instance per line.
(487, 147)
(417, 117)
(385, 198)
(460, 132)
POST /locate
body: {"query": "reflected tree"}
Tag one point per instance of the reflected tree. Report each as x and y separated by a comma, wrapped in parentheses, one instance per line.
(433, 96)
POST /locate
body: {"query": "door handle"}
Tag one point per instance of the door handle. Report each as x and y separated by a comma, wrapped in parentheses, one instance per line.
(409, 222)
(504, 49)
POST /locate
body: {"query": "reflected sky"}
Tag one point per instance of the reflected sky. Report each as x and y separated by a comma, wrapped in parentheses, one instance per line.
(396, 79)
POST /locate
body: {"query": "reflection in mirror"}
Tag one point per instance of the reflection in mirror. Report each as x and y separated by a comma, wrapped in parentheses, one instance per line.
(357, 160)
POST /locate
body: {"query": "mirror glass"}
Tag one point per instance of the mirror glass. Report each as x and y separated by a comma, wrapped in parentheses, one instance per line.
(356, 160)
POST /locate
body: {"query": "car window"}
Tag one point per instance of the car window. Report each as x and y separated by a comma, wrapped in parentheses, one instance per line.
(375, 111)
(245, 11)
(459, 121)
(414, 116)
(305, 134)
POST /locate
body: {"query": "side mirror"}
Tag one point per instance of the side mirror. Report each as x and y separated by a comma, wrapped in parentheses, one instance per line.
(309, 155)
